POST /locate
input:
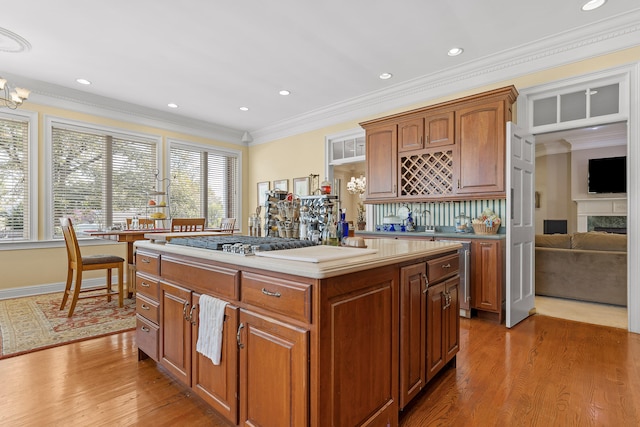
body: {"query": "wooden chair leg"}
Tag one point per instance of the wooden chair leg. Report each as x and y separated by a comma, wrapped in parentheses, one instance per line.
(67, 288)
(108, 285)
(76, 292)
(121, 285)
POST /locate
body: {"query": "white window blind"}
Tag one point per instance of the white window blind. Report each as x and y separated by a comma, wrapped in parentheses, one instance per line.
(100, 179)
(204, 184)
(14, 180)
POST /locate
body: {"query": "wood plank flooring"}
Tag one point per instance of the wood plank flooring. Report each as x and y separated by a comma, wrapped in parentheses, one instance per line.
(543, 372)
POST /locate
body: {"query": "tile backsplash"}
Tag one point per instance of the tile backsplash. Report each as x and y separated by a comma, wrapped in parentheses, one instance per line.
(442, 213)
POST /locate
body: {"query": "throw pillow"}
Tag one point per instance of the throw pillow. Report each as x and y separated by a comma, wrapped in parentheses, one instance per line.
(599, 241)
(559, 241)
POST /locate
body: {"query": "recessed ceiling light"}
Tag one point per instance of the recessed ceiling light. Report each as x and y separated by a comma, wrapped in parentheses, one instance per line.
(172, 105)
(455, 51)
(83, 81)
(284, 92)
(385, 76)
(244, 108)
(592, 4)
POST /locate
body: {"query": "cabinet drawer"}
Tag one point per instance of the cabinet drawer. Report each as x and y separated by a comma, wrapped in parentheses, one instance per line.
(147, 286)
(148, 308)
(216, 280)
(286, 297)
(147, 337)
(148, 263)
(440, 268)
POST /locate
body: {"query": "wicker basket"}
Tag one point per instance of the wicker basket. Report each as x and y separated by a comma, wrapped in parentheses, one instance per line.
(483, 229)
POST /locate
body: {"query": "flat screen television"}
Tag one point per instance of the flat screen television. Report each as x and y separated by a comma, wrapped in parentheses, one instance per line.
(608, 175)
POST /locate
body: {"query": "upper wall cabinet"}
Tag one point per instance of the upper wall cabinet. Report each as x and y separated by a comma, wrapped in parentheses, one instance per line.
(449, 151)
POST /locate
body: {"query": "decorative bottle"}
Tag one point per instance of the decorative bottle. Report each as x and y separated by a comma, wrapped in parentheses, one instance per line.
(330, 233)
(343, 226)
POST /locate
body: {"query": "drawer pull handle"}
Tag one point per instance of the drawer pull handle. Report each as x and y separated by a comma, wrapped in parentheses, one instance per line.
(144, 307)
(191, 317)
(145, 329)
(146, 260)
(145, 285)
(184, 311)
(271, 294)
(240, 345)
(446, 265)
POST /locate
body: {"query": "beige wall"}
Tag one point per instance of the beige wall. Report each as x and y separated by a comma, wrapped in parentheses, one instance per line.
(553, 184)
(286, 158)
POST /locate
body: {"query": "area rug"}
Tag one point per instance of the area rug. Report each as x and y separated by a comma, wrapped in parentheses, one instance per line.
(36, 322)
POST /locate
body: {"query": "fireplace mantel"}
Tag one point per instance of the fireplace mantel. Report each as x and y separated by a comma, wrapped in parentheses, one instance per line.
(599, 206)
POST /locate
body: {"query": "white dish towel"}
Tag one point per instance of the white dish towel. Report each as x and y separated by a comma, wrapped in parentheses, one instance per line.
(211, 321)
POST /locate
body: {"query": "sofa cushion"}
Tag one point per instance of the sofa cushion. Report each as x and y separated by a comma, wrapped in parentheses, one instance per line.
(595, 240)
(559, 241)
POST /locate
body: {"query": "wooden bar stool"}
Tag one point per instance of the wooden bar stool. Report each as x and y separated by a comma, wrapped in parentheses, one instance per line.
(187, 224)
(79, 263)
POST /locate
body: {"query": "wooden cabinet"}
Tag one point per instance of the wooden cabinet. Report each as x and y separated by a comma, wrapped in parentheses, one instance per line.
(480, 132)
(443, 325)
(147, 316)
(429, 322)
(382, 163)
(450, 151)
(413, 334)
(274, 372)
(488, 270)
(432, 130)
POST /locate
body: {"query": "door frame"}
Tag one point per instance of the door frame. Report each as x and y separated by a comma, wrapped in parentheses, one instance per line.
(630, 76)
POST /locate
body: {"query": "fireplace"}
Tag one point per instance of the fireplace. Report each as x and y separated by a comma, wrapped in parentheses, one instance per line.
(609, 224)
(607, 214)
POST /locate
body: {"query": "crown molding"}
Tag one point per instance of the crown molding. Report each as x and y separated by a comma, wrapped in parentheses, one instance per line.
(56, 96)
(607, 36)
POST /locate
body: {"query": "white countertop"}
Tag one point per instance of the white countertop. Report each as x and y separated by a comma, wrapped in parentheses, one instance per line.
(387, 251)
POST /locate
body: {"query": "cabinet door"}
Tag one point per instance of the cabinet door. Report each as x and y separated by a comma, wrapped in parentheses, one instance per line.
(439, 129)
(274, 372)
(452, 318)
(486, 275)
(411, 134)
(218, 384)
(435, 338)
(382, 159)
(413, 322)
(175, 331)
(480, 132)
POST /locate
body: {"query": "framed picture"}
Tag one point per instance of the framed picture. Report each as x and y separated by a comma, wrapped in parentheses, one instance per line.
(301, 186)
(281, 184)
(263, 187)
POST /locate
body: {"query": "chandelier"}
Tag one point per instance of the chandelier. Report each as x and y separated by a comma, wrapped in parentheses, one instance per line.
(12, 98)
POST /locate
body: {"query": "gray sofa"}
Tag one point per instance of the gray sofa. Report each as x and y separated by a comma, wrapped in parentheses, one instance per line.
(588, 266)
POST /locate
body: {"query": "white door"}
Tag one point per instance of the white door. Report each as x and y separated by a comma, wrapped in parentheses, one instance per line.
(520, 298)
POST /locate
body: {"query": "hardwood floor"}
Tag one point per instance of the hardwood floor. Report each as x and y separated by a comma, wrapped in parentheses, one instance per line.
(543, 372)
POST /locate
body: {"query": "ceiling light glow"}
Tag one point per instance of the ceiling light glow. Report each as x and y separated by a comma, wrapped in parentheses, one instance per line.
(172, 105)
(284, 92)
(385, 76)
(244, 108)
(592, 5)
(455, 51)
(83, 81)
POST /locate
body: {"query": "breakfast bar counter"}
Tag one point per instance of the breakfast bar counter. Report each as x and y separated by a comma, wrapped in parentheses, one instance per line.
(311, 336)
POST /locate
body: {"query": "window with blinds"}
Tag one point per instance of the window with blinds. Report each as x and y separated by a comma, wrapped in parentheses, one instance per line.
(14, 180)
(99, 179)
(204, 183)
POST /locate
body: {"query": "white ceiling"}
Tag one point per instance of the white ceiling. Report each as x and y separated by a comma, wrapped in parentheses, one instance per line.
(212, 57)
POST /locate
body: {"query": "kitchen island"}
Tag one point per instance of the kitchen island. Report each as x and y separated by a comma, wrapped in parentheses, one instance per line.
(339, 342)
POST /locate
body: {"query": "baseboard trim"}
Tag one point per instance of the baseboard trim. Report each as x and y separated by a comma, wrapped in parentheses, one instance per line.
(27, 291)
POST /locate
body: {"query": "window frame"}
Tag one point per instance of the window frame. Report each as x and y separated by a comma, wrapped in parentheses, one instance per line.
(211, 149)
(59, 122)
(31, 118)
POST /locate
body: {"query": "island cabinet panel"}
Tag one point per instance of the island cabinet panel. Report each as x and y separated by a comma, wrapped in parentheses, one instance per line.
(274, 372)
(443, 325)
(288, 297)
(413, 323)
(217, 384)
(175, 331)
(359, 349)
